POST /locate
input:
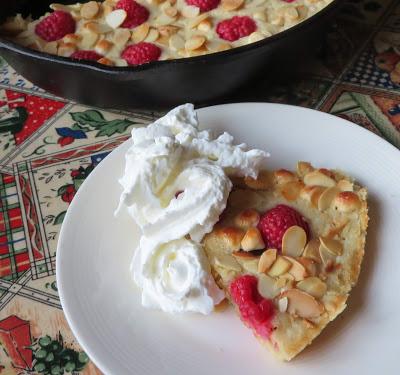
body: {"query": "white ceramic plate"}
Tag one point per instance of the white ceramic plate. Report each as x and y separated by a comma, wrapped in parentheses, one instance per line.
(103, 307)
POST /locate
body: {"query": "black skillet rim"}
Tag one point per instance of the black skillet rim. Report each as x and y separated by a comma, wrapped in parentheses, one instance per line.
(212, 57)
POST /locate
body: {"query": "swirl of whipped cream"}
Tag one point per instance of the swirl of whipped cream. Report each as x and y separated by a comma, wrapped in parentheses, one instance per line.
(176, 185)
(176, 277)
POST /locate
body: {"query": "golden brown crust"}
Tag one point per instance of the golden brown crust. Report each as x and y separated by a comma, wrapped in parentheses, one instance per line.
(337, 212)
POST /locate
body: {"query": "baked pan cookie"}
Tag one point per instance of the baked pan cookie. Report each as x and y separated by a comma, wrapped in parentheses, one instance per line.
(287, 252)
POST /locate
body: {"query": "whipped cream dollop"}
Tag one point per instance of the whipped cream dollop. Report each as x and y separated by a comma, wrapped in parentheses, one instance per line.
(175, 186)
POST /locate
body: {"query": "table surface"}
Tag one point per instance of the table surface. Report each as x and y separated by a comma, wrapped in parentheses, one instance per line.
(48, 146)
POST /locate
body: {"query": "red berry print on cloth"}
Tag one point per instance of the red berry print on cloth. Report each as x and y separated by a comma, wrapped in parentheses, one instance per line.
(38, 110)
(136, 13)
(236, 27)
(274, 223)
(204, 5)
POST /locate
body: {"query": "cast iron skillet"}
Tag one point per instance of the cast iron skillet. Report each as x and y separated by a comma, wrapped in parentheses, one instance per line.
(159, 84)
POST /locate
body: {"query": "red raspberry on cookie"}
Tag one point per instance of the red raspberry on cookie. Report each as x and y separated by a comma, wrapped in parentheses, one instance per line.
(55, 26)
(236, 27)
(204, 5)
(136, 13)
(141, 53)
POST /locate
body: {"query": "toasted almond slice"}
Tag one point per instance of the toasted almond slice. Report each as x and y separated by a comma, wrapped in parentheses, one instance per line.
(345, 185)
(164, 19)
(228, 262)
(72, 38)
(347, 201)
(195, 42)
(107, 9)
(245, 255)
(326, 256)
(140, 32)
(309, 265)
(189, 11)
(218, 47)
(193, 22)
(318, 178)
(120, 62)
(171, 12)
(231, 236)
(256, 36)
(231, 4)
(89, 10)
(103, 46)
(304, 168)
(51, 48)
(168, 30)
(252, 240)
(152, 36)
(97, 28)
(291, 190)
(293, 241)
(303, 304)
(297, 270)
(335, 247)
(326, 198)
(311, 250)
(66, 49)
(262, 182)
(283, 304)
(280, 266)
(121, 37)
(267, 259)
(88, 40)
(312, 194)
(267, 286)
(247, 218)
(116, 18)
(105, 61)
(283, 176)
(313, 286)
(39, 45)
(249, 265)
(204, 26)
(176, 42)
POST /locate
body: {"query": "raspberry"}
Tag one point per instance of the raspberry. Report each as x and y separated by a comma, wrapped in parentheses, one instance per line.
(255, 310)
(136, 13)
(140, 53)
(235, 28)
(55, 26)
(204, 5)
(274, 223)
(86, 55)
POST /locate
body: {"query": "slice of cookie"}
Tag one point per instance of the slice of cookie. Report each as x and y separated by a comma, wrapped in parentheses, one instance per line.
(288, 250)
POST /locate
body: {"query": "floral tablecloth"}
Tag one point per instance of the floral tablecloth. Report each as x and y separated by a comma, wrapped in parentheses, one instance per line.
(48, 146)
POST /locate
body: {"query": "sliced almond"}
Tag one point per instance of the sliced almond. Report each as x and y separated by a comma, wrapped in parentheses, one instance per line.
(97, 28)
(164, 19)
(311, 250)
(245, 255)
(312, 194)
(263, 181)
(121, 37)
(140, 32)
(105, 61)
(326, 256)
(267, 259)
(103, 46)
(247, 218)
(72, 38)
(313, 286)
(89, 10)
(176, 43)
(171, 12)
(280, 266)
(252, 240)
(193, 22)
(347, 201)
(152, 36)
(318, 178)
(345, 185)
(204, 26)
(304, 168)
(283, 176)
(66, 49)
(189, 11)
(267, 286)
(291, 190)
(51, 48)
(249, 265)
(229, 5)
(88, 40)
(228, 262)
(195, 42)
(218, 47)
(107, 9)
(309, 265)
(283, 304)
(116, 18)
(302, 304)
(297, 270)
(293, 241)
(335, 247)
(326, 198)
(231, 236)
(168, 30)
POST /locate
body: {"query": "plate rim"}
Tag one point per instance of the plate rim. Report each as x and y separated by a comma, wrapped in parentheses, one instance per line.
(84, 342)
